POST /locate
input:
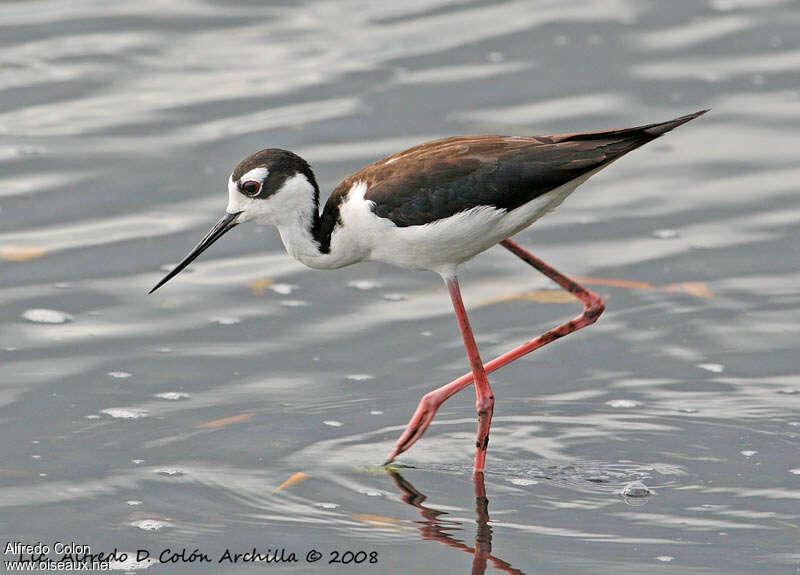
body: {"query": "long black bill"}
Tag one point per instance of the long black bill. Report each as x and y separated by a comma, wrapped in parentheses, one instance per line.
(226, 223)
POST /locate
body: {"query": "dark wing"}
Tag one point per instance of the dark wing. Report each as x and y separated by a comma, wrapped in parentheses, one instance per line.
(441, 178)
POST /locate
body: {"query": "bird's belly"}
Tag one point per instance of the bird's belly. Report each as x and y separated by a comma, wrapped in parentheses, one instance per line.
(442, 245)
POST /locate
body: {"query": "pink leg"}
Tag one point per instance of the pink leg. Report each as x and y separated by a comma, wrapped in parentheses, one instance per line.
(429, 404)
(484, 397)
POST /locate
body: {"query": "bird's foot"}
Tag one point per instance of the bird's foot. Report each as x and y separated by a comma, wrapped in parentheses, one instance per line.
(420, 421)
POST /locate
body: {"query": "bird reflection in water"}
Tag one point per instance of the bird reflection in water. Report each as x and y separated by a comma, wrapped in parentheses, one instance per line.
(434, 527)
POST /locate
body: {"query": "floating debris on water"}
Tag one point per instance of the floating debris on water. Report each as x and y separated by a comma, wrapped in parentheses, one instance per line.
(789, 391)
(325, 505)
(170, 472)
(376, 412)
(635, 489)
(332, 423)
(41, 315)
(363, 284)
(795, 471)
(283, 289)
(294, 303)
(664, 558)
(360, 377)
(623, 403)
(125, 412)
(665, 234)
(521, 481)
(173, 395)
(130, 564)
(748, 452)
(426, 333)
(119, 374)
(133, 502)
(227, 320)
(712, 367)
(687, 410)
(151, 524)
(92, 416)
(394, 297)
(20, 253)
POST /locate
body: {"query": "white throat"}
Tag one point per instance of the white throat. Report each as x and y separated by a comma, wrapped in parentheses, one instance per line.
(294, 211)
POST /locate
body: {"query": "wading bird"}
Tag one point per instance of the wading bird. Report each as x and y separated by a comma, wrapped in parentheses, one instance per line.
(431, 207)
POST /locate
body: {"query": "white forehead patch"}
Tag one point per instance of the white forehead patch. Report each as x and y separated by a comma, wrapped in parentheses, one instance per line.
(256, 174)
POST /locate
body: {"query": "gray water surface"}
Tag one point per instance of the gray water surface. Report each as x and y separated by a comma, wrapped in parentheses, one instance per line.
(250, 402)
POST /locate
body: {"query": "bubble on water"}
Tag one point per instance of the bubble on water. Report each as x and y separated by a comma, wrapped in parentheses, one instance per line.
(164, 350)
(712, 367)
(363, 284)
(130, 564)
(635, 489)
(325, 505)
(126, 412)
(137, 461)
(522, 481)
(376, 412)
(150, 524)
(294, 303)
(372, 493)
(173, 395)
(622, 403)
(43, 475)
(133, 502)
(748, 452)
(426, 333)
(170, 472)
(119, 374)
(283, 289)
(665, 234)
(92, 416)
(10, 348)
(226, 320)
(36, 456)
(664, 558)
(41, 315)
(332, 423)
(62, 285)
(360, 377)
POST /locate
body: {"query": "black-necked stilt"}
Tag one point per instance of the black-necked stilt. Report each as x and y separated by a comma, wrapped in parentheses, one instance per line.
(431, 207)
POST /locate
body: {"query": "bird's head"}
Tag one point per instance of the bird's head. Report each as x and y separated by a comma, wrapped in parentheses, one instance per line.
(270, 187)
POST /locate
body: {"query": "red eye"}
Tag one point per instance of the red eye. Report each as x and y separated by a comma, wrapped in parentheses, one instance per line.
(251, 188)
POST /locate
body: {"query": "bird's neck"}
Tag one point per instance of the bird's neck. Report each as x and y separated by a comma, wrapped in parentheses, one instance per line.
(307, 235)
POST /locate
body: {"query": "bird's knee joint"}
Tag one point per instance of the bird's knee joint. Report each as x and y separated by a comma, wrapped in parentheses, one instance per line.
(485, 405)
(594, 310)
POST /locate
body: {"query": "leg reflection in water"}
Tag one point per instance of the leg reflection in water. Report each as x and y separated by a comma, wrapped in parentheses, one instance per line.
(434, 527)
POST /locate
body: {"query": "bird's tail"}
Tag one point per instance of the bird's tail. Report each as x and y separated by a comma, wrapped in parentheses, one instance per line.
(646, 133)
